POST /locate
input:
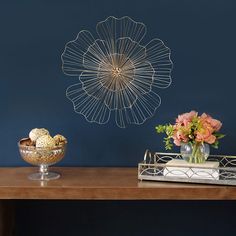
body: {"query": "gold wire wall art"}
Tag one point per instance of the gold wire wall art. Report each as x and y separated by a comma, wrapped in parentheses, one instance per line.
(117, 74)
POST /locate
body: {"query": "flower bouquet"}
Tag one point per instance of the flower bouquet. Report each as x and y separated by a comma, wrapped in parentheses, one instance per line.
(194, 133)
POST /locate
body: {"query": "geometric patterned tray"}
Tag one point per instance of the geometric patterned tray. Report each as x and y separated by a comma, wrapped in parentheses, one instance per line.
(155, 168)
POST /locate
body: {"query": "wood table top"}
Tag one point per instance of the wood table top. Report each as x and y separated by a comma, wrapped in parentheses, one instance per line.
(99, 183)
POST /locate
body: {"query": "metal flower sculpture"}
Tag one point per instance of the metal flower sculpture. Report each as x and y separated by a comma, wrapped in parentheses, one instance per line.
(116, 73)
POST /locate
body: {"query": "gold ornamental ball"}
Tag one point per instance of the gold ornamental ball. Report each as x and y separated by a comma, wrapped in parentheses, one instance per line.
(59, 139)
(37, 132)
(45, 141)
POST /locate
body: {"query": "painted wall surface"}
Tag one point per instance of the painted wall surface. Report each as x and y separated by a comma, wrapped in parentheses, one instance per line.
(201, 35)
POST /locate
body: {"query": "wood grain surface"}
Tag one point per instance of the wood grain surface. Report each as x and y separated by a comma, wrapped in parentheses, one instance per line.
(103, 184)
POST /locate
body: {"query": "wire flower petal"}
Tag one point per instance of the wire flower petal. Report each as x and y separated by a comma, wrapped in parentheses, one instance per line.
(159, 56)
(98, 53)
(72, 56)
(143, 109)
(131, 50)
(113, 28)
(92, 109)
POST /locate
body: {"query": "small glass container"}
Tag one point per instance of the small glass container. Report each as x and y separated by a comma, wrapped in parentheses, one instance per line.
(195, 153)
(42, 157)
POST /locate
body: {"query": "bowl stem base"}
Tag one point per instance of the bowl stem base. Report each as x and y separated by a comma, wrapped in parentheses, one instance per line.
(44, 174)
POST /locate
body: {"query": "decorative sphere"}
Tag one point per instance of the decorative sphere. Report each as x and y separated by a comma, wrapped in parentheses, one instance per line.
(45, 141)
(59, 139)
(36, 133)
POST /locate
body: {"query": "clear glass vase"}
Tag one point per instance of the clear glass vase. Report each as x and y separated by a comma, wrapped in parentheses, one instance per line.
(195, 153)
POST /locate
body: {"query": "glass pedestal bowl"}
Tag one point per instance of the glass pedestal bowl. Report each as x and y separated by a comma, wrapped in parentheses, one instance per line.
(42, 157)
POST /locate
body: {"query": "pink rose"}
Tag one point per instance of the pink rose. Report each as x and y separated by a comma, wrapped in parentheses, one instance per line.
(215, 124)
(176, 136)
(204, 116)
(180, 135)
(177, 142)
(204, 133)
(186, 118)
(211, 139)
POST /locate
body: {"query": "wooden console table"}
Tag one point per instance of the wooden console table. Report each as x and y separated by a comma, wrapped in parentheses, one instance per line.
(103, 183)
(95, 184)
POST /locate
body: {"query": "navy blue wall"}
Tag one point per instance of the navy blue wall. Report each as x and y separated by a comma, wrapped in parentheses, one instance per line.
(201, 35)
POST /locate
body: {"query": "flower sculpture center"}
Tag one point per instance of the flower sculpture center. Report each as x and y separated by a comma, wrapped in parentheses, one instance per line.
(117, 74)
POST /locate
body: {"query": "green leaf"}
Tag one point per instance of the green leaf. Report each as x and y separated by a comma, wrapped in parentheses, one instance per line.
(161, 128)
(215, 144)
(168, 129)
(219, 135)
